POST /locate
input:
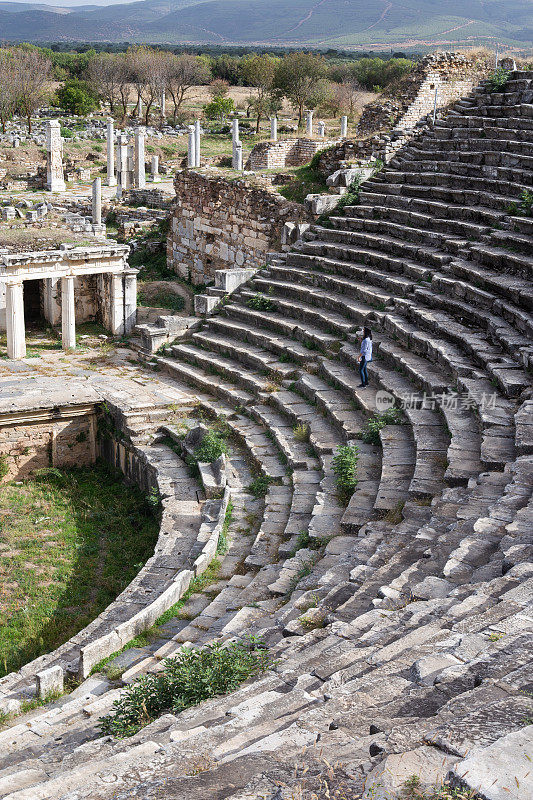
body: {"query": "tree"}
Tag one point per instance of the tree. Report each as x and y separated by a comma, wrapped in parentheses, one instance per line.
(8, 87)
(218, 88)
(77, 97)
(297, 78)
(182, 73)
(259, 71)
(103, 73)
(33, 74)
(219, 108)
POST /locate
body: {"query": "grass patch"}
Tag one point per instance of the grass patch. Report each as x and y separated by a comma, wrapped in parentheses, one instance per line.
(259, 485)
(223, 544)
(308, 180)
(162, 300)
(186, 680)
(72, 540)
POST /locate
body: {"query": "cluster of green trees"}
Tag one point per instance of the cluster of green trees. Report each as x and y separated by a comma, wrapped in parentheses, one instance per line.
(305, 79)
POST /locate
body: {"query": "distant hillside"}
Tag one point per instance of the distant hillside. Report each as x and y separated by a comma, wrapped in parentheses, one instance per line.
(316, 23)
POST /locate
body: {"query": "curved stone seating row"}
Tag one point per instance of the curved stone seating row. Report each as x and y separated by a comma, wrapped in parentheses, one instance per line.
(158, 585)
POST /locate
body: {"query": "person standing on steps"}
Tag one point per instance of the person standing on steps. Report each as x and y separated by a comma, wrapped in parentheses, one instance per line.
(365, 357)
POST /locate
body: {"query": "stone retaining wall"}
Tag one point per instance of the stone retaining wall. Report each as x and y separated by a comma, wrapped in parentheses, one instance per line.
(134, 609)
(59, 437)
(285, 153)
(219, 223)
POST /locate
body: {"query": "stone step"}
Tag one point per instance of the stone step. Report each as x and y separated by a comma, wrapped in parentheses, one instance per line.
(220, 366)
(252, 356)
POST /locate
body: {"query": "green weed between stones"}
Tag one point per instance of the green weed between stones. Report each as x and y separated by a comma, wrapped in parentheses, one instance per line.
(211, 447)
(186, 680)
(260, 303)
(72, 539)
(344, 465)
(392, 416)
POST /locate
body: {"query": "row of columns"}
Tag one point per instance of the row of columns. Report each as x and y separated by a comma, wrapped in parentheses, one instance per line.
(130, 160)
(122, 309)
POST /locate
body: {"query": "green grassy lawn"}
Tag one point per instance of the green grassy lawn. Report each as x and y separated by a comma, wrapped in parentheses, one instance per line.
(70, 542)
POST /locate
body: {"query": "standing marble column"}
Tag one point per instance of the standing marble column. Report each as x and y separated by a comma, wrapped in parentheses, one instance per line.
(344, 127)
(68, 313)
(234, 142)
(309, 122)
(321, 129)
(55, 180)
(191, 152)
(122, 164)
(197, 142)
(163, 104)
(154, 169)
(238, 157)
(97, 201)
(52, 308)
(139, 173)
(111, 180)
(274, 129)
(116, 304)
(16, 334)
(130, 300)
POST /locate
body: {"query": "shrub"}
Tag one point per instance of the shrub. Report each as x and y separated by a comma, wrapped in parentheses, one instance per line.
(370, 434)
(162, 299)
(497, 81)
(193, 676)
(260, 303)
(345, 469)
(211, 447)
(219, 108)
(524, 208)
(77, 97)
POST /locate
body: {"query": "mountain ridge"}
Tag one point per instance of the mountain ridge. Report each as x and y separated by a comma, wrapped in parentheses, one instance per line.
(311, 23)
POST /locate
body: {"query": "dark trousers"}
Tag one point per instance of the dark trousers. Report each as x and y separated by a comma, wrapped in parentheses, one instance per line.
(363, 371)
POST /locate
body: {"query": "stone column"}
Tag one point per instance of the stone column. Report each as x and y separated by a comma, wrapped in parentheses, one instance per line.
(130, 300)
(309, 122)
(197, 142)
(238, 157)
(52, 309)
(97, 201)
(116, 304)
(163, 104)
(191, 153)
(321, 129)
(154, 169)
(16, 334)
(55, 180)
(344, 127)
(122, 164)
(274, 129)
(111, 180)
(68, 313)
(139, 177)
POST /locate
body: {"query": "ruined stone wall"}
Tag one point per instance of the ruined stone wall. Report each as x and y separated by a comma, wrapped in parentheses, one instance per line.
(390, 122)
(29, 445)
(218, 223)
(285, 153)
(412, 97)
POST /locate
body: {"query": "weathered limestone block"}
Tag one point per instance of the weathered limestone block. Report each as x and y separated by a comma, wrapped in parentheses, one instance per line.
(50, 681)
